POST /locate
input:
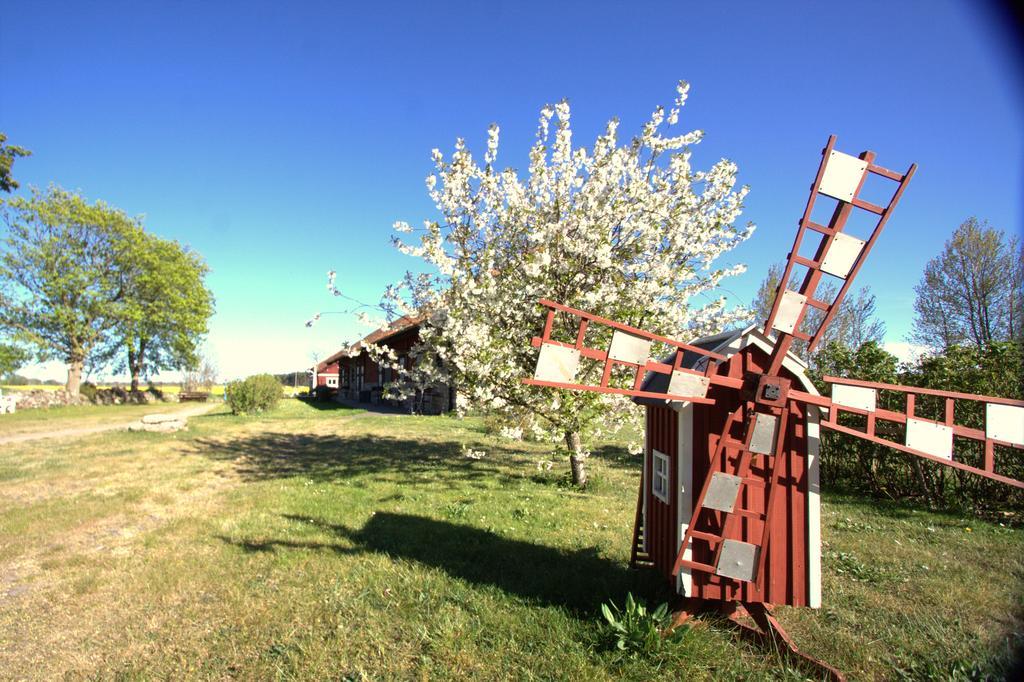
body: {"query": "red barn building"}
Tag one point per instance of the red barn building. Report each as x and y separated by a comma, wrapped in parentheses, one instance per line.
(324, 374)
(680, 440)
(362, 379)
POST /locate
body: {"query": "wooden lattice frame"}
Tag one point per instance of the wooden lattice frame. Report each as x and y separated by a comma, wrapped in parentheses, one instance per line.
(602, 356)
(829, 232)
(911, 392)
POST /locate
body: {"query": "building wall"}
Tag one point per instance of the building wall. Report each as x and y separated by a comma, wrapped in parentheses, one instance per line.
(660, 527)
(436, 400)
(689, 437)
(328, 376)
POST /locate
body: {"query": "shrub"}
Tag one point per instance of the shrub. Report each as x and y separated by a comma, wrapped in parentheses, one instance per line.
(254, 394)
(88, 390)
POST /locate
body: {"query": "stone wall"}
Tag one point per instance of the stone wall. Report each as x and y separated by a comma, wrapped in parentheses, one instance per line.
(39, 399)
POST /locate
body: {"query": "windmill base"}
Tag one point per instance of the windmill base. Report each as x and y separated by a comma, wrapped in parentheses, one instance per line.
(768, 631)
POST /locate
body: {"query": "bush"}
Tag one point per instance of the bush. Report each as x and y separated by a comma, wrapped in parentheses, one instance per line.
(88, 390)
(323, 393)
(254, 394)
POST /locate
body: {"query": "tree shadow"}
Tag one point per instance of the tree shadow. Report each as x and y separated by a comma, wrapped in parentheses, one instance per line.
(329, 405)
(325, 458)
(577, 580)
(617, 456)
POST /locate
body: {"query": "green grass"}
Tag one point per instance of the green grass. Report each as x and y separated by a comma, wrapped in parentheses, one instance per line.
(328, 543)
(78, 416)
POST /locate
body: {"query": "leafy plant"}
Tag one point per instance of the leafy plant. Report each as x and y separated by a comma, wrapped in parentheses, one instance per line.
(254, 394)
(635, 630)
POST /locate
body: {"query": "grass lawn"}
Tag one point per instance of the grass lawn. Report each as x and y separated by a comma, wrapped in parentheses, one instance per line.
(328, 543)
(78, 416)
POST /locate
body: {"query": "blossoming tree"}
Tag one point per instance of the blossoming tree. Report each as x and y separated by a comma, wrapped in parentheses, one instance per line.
(627, 231)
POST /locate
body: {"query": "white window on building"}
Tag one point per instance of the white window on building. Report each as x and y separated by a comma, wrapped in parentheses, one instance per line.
(659, 476)
(332, 382)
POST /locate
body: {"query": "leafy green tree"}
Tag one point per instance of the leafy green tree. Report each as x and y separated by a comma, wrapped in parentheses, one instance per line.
(972, 292)
(11, 358)
(165, 309)
(868, 362)
(849, 462)
(60, 287)
(853, 325)
(8, 153)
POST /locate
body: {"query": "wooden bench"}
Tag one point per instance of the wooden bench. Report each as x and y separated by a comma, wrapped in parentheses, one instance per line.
(193, 396)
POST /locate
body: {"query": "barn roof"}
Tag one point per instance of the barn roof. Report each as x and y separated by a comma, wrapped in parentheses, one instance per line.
(726, 343)
(403, 323)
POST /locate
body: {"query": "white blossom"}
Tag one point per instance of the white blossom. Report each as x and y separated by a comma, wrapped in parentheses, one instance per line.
(628, 231)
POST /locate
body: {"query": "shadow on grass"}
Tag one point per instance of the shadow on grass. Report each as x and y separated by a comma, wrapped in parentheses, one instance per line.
(617, 456)
(578, 580)
(325, 458)
(327, 405)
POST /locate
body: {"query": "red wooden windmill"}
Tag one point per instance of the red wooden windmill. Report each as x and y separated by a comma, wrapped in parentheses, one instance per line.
(728, 507)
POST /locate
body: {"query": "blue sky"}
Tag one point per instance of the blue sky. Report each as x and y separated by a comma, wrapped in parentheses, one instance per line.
(283, 139)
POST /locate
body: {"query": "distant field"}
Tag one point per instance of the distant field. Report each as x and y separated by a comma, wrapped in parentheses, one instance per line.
(217, 389)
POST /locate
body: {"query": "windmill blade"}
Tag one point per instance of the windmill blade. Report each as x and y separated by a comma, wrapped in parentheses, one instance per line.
(928, 438)
(558, 363)
(839, 254)
(739, 555)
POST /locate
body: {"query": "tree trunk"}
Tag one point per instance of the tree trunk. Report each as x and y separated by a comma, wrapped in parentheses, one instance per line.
(74, 377)
(133, 367)
(576, 458)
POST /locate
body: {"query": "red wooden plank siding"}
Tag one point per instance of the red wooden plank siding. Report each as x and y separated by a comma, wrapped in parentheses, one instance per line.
(662, 430)
(785, 578)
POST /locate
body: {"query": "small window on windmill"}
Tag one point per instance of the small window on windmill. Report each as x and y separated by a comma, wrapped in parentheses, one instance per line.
(332, 382)
(659, 476)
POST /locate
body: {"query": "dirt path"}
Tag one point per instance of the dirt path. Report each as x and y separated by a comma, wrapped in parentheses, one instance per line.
(192, 411)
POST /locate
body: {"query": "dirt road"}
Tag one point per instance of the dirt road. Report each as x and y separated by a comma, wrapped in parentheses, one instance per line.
(119, 425)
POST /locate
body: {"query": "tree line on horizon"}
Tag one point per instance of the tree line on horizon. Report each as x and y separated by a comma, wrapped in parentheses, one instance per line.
(87, 284)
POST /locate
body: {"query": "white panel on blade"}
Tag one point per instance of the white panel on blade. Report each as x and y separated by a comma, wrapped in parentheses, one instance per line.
(557, 363)
(738, 560)
(841, 255)
(843, 174)
(930, 438)
(722, 492)
(857, 397)
(629, 348)
(1005, 423)
(689, 385)
(763, 440)
(790, 307)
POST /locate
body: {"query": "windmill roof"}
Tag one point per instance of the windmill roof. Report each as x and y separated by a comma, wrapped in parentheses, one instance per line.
(726, 343)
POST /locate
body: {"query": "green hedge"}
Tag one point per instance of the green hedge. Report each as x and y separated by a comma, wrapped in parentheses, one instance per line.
(253, 394)
(850, 463)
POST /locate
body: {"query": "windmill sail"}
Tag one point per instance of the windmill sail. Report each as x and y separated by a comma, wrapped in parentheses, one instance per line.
(838, 254)
(559, 363)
